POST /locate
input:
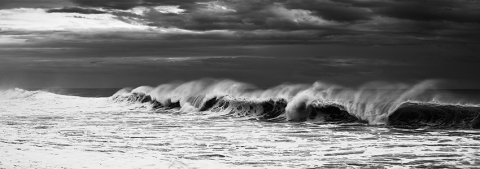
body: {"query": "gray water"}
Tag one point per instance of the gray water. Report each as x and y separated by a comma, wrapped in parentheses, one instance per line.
(193, 139)
(45, 130)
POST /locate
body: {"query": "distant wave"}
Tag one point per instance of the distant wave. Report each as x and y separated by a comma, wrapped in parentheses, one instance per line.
(17, 93)
(398, 105)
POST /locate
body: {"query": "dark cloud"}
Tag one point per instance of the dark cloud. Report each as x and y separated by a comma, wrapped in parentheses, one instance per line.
(337, 10)
(319, 18)
(116, 4)
(76, 10)
(461, 11)
(239, 15)
(332, 11)
(290, 20)
(128, 4)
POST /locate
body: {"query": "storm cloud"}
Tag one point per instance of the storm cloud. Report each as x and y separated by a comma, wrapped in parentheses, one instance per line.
(128, 4)
(313, 20)
(76, 10)
(263, 41)
(451, 19)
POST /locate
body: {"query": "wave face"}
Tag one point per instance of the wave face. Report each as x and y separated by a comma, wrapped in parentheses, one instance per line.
(376, 103)
(414, 115)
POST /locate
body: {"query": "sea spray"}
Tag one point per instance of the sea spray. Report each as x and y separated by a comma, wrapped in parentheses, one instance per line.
(372, 103)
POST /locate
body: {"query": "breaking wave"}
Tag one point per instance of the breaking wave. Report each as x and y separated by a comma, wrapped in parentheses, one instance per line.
(377, 103)
(17, 93)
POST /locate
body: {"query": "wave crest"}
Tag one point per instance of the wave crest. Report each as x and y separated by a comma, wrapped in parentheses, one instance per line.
(373, 103)
(17, 93)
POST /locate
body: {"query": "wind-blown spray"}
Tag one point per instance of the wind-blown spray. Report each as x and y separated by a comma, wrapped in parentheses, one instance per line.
(373, 103)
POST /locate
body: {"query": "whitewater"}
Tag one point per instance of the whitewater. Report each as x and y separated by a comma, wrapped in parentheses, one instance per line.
(227, 124)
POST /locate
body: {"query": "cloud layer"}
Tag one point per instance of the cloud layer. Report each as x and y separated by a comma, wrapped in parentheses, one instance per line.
(260, 41)
(287, 20)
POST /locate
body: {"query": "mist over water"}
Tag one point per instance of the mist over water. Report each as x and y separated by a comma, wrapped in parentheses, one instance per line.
(372, 102)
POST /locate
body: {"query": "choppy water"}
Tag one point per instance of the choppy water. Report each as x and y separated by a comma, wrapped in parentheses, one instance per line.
(162, 139)
(46, 130)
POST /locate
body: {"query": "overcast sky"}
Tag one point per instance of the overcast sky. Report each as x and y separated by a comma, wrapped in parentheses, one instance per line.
(120, 43)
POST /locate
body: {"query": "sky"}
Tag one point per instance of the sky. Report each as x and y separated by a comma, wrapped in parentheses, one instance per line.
(129, 43)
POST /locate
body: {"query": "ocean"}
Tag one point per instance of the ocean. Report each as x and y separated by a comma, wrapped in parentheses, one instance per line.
(228, 124)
